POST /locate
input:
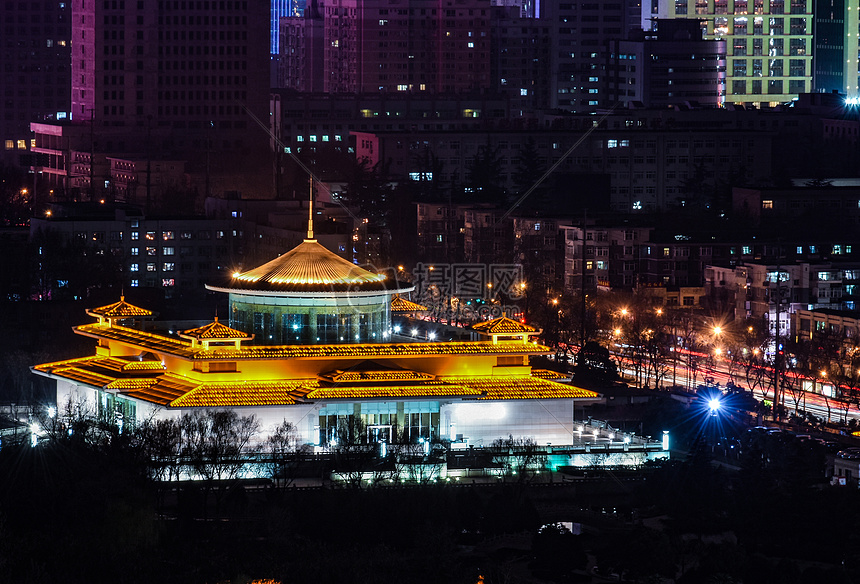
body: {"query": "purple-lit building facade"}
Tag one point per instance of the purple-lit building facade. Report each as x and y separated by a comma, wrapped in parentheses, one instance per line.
(184, 79)
(391, 46)
(34, 60)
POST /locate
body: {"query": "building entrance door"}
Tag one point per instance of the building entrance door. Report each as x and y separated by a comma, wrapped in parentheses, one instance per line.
(379, 433)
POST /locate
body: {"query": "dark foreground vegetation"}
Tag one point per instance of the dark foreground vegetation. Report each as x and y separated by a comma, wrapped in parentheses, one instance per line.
(77, 512)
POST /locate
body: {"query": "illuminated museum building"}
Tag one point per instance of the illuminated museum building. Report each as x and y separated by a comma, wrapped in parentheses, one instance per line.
(468, 392)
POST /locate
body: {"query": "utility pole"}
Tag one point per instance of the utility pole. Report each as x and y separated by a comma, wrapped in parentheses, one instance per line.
(582, 282)
(92, 155)
(149, 164)
(777, 362)
(208, 151)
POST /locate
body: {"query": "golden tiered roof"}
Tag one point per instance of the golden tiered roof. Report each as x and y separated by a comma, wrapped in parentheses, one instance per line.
(182, 348)
(215, 331)
(119, 310)
(400, 304)
(548, 374)
(131, 363)
(143, 339)
(171, 390)
(503, 326)
(251, 393)
(308, 267)
(521, 387)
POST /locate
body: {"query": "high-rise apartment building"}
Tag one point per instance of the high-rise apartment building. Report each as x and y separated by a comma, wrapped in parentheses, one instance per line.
(582, 31)
(34, 60)
(300, 57)
(185, 79)
(837, 43)
(672, 65)
(521, 51)
(432, 46)
(769, 44)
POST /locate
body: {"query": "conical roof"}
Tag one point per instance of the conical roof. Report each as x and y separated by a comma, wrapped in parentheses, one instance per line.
(309, 267)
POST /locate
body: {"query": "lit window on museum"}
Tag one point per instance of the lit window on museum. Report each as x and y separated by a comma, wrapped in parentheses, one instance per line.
(135, 283)
(134, 268)
(150, 235)
(837, 249)
(135, 251)
(150, 251)
(150, 267)
(135, 235)
(10, 144)
(167, 267)
(168, 282)
(168, 251)
(767, 204)
(167, 235)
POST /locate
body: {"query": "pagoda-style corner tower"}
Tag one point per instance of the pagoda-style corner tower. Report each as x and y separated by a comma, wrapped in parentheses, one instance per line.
(505, 328)
(215, 334)
(121, 313)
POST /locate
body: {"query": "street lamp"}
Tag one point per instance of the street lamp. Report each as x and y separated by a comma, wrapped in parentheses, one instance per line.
(714, 405)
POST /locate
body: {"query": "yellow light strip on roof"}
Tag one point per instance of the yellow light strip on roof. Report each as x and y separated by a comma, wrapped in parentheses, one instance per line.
(388, 391)
(375, 350)
(376, 376)
(129, 384)
(521, 387)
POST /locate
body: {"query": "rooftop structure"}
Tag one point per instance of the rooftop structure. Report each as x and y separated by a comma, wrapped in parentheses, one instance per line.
(311, 295)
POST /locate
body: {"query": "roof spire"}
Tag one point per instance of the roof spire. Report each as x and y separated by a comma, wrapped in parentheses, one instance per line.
(311, 207)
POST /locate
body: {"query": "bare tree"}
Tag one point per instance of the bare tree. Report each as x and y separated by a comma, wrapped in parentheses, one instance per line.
(160, 445)
(285, 453)
(354, 455)
(215, 444)
(519, 458)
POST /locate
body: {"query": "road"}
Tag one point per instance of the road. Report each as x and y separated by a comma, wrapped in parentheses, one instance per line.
(828, 409)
